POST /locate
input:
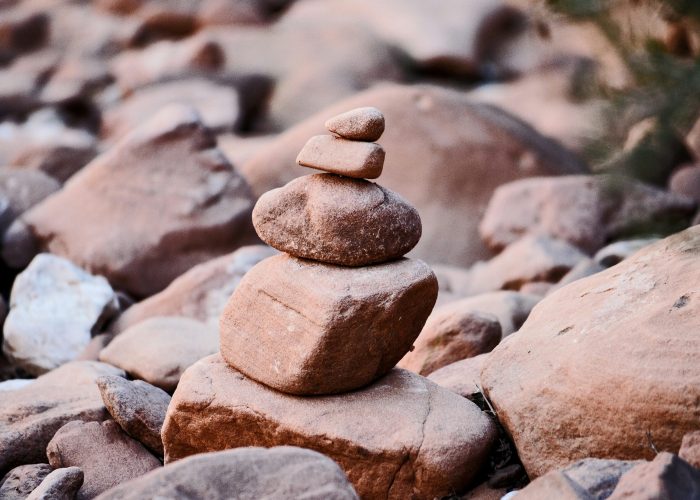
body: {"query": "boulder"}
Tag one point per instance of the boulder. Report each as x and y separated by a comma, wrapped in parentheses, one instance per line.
(55, 307)
(461, 377)
(448, 338)
(690, 449)
(31, 415)
(244, 473)
(139, 409)
(293, 324)
(401, 437)
(444, 154)
(106, 455)
(337, 220)
(202, 211)
(22, 480)
(159, 349)
(200, 293)
(629, 328)
(359, 124)
(586, 211)
(531, 259)
(61, 484)
(667, 477)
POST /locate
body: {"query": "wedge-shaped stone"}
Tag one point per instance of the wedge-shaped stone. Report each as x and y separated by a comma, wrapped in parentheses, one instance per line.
(362, 160)
(402, 437)
(303, 327)
(350, 222)
(359, 124)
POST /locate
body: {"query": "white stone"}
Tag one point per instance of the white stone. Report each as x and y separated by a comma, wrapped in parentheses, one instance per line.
(54, 308)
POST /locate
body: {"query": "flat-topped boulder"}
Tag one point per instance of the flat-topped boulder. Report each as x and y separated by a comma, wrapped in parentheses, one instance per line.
(333, 219)
(361, 160)
(402, 437)
(359, 124)
(304, 327)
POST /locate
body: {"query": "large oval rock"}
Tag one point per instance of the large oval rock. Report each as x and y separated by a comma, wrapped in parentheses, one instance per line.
(338, 220)
(54, 308)
(444, 153)
(605, 364)
(402, 437)
(184, 202)
(244, 473)
(304, 327)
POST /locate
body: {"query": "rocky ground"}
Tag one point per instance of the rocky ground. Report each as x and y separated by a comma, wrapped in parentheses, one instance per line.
(339, 249)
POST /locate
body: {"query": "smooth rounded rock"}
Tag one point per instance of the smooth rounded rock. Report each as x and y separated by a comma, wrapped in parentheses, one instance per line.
(359, 124)
(402, 437)
(361, 160)
(327, 218)
(303, 327)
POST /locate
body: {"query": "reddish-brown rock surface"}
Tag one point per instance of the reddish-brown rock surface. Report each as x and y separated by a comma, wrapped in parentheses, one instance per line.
(401, 437)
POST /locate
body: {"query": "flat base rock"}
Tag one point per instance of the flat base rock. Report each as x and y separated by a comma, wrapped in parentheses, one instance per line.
(243, 474)
(402, 437)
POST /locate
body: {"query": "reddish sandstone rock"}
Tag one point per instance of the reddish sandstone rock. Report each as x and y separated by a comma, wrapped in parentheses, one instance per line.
(667, 477)
(402, 437)
(690, 449)
(103, 451)
(359, 124)
(461, 377)
(201, 293)
(445, 155)
(586, 211)
(279, 472)
(304, 327)
(629, 330)
(361, 160)
(337, 220)
(159, 349)
(184, 202)
(450, 337)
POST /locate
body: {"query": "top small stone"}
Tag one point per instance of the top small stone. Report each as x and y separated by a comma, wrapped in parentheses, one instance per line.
(359, 124)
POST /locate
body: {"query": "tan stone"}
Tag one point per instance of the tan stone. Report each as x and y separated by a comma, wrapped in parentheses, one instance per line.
(632, 328)
(337, 220)
(402, 437)
(461, 377)
(361, 160)
(667, 477)
(304, 327)
(359, 124)
(690, 449)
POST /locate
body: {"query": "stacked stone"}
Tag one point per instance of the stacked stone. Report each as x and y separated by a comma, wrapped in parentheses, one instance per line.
(334, 313)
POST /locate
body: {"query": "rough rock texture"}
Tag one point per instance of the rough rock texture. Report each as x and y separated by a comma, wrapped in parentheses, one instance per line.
(690, 449)
(308, 328)
(139, 409)
(599, 477)
(201, 293)
(159, 349)
(553, 485)
(54, 308)
(184, 202)
(401, 437)
(21, 481)
(30, 416)
(350, 222)
(667, 477)
(245, 474)
(361, 160)
(531, 259)
(631, 327)
(359, 124)
(586, 211)
(61, 484)
(461, 377)
(106, 455)
(445, 155)
(447, 338)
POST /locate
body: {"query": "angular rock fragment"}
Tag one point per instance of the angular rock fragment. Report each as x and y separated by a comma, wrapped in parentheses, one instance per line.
(327, 218)
(403, 436)
(308, 328)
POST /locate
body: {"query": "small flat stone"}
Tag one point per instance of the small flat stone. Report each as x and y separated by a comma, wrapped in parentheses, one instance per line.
(138, 407)
(336, 220)
(303, 327)
(61, 484)
(359, 124)
(361, 160)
